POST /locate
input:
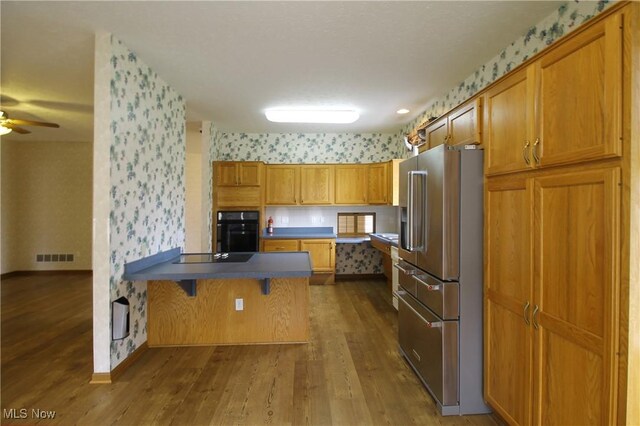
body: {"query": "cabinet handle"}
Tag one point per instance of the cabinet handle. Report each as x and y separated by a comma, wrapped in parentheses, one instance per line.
(524, 313)
(525, 153)
(535, 151)
(535, 316)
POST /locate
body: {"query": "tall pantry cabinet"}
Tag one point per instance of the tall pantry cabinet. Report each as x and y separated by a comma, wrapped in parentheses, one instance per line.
(553, 138)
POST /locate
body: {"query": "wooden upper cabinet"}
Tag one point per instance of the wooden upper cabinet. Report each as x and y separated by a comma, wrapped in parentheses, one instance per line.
(576, 92)
(351, 184)
(378, 183)
(465, 124)
(436, 134)
(316, 184)
(580, 97)
(250, 173)
(462, 126)
(508, 112)
(226, 174)
(281, 186)
(238, 173)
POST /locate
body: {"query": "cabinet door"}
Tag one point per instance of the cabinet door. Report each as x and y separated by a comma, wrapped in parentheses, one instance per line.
(316, 184)
(436, 134)
(508, 111)
(576, 290)
(508, 289)
(322, 254)
(226, 173)
(580, 96)
(249, 173)
(279, 245)
(281, 185)
(351, 184)
(465, 124)
(378, 183)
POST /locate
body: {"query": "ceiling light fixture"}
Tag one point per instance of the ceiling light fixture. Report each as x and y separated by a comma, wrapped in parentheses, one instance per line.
(402, 111)
(333, 116)
(4, 130)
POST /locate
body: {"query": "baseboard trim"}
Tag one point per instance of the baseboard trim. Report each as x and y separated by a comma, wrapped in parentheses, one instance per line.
(100, 379)
(108, 378)
(129, 361)
(51, 272)
(359, 277)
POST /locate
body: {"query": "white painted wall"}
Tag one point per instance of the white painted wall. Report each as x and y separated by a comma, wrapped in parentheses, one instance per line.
(193, 191)
(386, 216)
(101, 204)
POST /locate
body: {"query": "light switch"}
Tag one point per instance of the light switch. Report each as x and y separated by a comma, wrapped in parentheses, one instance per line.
(239, 304)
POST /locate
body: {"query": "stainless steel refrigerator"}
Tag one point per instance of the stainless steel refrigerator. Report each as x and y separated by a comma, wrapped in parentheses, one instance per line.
(440, 275)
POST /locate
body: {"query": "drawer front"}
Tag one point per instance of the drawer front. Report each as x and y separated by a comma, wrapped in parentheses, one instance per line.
(380, 246)
(406, 272)
(440, 297)
(431, 347)
(280, 245)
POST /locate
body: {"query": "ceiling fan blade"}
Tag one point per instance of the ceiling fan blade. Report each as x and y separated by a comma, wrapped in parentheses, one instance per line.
(31, 123)
(16, 128)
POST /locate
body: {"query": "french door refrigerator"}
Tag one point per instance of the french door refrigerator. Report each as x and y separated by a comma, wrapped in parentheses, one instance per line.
(440, 275)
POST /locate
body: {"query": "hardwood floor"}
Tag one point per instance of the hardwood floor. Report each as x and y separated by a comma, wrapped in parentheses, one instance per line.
(350, 373)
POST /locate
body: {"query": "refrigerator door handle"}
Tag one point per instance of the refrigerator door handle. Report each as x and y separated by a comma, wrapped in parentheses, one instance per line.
(416, 233)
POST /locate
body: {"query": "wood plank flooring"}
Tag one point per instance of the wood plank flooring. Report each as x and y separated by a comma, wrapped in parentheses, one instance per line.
(350, 373)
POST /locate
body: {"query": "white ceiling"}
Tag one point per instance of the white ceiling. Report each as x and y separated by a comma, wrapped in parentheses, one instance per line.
(232, 60)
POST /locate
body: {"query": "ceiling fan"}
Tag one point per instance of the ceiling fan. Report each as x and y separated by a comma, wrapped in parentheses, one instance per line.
(7, 125)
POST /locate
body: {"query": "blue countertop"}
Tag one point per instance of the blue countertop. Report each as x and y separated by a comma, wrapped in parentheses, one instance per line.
(299, 233)
(261, 265)
(386, 238)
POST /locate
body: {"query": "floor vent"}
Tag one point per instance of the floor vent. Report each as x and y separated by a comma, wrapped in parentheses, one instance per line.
(54, 258)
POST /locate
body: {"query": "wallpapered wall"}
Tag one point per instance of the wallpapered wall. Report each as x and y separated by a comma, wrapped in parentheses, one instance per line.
(308, 147)
(566, 19)
(147, 179)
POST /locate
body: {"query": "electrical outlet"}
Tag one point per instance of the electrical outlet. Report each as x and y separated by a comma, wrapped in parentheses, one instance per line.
(239, 304)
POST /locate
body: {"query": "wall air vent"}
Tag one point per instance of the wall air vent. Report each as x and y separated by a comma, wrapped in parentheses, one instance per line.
(54, 257)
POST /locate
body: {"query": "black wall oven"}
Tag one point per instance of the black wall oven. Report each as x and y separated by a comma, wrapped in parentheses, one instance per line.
(237, 231)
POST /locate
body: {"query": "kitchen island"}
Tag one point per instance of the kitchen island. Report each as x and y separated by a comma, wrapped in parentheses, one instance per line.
(201, 299)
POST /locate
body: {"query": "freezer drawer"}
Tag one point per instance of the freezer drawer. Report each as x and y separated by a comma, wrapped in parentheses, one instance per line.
(431, 347)
(406, 272)
(439, 296)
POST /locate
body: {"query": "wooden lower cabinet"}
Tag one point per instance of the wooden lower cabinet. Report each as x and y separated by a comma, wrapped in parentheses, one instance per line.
(551, 291)
(508, 295)
(321, 251)
(280, 245)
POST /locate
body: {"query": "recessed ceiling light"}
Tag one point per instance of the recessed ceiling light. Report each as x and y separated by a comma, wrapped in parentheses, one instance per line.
(312, 116)
(402, 111)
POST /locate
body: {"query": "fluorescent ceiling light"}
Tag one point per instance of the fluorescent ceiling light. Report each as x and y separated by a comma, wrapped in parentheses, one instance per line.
(311, 116)
(402, 111)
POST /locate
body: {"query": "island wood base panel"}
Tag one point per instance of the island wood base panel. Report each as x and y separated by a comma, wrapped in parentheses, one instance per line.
(210, 318)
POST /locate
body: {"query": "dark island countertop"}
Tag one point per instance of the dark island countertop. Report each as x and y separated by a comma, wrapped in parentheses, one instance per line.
(166, 266)
(294, 233)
